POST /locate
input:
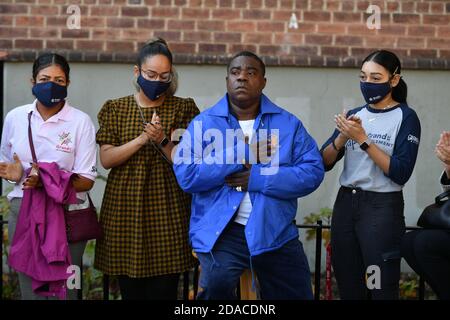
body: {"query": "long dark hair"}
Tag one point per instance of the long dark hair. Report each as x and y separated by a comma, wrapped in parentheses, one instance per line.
(47, 59)
(391, 63)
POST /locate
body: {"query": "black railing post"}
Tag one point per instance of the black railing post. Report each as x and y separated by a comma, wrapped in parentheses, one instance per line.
(105, 287)
(196, 272)
(1, 180)
(80, 291)
(238, 289)
(1, 257)
(421, 288)
(318, 260)
(186, 285)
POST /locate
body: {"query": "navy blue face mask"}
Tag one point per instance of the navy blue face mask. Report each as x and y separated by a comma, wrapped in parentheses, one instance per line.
(374, 92)
(152, 89)
(49, 93)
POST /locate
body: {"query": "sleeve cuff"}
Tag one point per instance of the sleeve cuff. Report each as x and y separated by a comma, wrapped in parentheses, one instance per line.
(88, 176)
(445, 181)
(256, 181)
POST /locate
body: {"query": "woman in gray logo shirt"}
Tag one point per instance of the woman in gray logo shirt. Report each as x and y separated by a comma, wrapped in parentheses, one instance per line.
(379, 142)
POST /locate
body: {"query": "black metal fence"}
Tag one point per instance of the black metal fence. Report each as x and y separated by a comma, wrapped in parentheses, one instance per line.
(318, 227)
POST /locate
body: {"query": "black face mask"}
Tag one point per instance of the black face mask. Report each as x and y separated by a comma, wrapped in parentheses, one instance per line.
(375, 92)
(152, 89)
(49, 93)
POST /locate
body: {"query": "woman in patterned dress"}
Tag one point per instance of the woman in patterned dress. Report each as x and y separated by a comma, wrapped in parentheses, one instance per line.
(144, 212)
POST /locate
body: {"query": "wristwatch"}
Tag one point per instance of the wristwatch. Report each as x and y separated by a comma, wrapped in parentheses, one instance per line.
(365, 144)
(164, 142)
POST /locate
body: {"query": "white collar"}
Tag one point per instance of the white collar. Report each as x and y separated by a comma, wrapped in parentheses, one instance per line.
(64, 114)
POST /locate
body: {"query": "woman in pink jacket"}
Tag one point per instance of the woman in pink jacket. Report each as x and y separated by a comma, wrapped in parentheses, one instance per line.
(62, 134)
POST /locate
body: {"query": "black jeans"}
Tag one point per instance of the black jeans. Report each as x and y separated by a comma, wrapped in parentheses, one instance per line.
(366, 230)
(163, 287)
(428, 253)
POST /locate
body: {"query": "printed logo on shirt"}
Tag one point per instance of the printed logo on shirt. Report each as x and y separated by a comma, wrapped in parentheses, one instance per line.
(383, 140)
(94, 169)
(65, 140)
(350, 144)
(413, 139)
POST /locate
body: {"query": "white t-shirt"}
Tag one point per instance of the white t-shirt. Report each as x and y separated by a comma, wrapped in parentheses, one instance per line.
(67, 138)
(245, 208)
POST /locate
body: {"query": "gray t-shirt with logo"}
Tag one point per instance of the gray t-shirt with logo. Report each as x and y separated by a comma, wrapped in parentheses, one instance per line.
(396, 131)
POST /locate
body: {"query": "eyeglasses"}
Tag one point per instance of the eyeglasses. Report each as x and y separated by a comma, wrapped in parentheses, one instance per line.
(153, 76)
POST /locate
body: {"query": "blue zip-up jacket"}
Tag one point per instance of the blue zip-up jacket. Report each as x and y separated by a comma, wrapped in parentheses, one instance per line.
(273, 193)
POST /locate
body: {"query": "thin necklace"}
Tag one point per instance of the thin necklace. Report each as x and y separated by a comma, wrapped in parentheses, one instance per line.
(138, 103)
(387, 107)
(145, 122)
(377, 115)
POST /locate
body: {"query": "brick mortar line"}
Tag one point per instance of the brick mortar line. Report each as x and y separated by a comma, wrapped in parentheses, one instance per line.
(211, 59)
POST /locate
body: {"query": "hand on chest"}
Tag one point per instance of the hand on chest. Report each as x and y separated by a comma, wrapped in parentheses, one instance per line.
(133, 123)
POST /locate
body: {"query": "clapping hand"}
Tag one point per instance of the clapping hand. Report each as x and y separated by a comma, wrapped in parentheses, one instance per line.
(350, 127)
(443, 148)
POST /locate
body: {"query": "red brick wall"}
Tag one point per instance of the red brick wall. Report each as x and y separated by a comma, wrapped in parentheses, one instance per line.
(330, 33)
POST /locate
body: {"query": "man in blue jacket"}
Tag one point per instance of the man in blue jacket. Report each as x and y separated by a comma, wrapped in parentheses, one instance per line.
(246, 161)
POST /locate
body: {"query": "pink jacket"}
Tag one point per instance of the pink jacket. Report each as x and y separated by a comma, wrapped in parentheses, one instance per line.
(39, 248)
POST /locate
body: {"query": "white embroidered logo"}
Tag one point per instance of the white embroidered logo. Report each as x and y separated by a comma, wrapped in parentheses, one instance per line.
(413, 139)
(64, 140)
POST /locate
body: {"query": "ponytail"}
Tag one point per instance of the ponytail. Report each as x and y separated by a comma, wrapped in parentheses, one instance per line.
(400, 91)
